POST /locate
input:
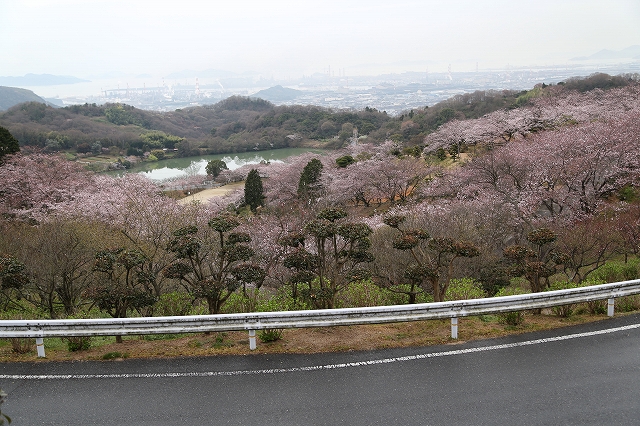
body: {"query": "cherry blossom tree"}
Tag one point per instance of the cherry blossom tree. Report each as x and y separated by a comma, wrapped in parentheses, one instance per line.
(265, 231)
(382, 178)
(135, 207)
(587, 244)
(565, 174)
(33, 185)
(627, 225)
(281, 187)
(547, 112)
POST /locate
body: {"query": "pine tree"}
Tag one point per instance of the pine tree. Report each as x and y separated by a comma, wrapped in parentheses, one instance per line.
(253, 191)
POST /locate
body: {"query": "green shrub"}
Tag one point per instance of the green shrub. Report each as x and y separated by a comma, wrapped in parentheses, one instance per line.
(201, 309)
(236, 303)
(282, 300)
(114, 355)
(362, 294)
(270, 334)
(612, 272)
(22, 311)
(511, 318)
(78, 343)
(398, 295)
(158, 154)
(345, 160)
(195, 343)
(628, 194)
(594, 307)
(21, 345)
(563, 311)
(263, 300)
(464, 289)
(627, 303)
(161, 336)
(219, 341)
(174, 304)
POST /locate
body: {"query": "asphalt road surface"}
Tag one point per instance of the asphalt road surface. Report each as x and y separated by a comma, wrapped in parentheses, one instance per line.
(582, 375)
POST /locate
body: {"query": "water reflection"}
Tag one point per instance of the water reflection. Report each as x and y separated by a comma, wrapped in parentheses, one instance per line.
(182, 167)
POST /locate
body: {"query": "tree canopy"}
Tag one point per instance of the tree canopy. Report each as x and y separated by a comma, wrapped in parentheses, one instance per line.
(309, 184)
(8, 144)
(253, 191)
(214, 167)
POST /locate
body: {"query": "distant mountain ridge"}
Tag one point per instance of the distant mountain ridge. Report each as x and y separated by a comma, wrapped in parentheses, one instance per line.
(631, 52)
(10, 96)
(39, 80)
(277, 94)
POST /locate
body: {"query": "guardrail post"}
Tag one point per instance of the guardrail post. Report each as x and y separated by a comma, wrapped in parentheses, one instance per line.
(40, 347)
(610, 306)
(454, 328)
(252, 340)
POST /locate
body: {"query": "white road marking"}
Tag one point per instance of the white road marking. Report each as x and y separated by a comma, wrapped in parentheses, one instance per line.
(316, 367)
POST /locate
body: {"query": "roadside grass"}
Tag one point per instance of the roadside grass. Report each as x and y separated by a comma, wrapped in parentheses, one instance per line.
(303, 341)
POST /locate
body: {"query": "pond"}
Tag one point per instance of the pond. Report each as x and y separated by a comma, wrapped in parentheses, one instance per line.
(178, 167)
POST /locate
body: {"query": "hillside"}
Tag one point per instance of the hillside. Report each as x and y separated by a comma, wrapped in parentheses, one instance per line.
(236, 124)
(241, 124)
(549, 196)
(10, 96)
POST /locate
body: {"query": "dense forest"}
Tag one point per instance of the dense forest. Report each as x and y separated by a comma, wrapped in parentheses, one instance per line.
(507, 193)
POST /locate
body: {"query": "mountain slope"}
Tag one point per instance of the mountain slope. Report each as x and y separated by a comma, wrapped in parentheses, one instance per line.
(631, 52)
(277, 94)
(10, 96)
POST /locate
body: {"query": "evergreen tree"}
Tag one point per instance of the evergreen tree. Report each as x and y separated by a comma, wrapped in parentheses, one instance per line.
(8, 144)
(215, 167)
(309, 185)
(253, 191)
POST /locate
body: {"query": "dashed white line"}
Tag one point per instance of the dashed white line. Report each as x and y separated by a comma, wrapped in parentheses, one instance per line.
(316, 367)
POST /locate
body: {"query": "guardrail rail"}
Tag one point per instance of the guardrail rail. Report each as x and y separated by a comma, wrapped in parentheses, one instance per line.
(40, 329)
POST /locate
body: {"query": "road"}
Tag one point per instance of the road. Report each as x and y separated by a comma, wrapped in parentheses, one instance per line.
(581, 375)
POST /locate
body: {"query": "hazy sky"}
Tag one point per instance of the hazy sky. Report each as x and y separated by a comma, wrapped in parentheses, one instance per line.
(87, 38)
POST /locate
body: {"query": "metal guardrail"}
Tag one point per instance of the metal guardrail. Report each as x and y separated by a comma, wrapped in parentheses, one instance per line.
(313, 318)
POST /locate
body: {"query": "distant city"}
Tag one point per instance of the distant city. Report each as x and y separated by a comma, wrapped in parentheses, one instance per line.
(393, 93)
